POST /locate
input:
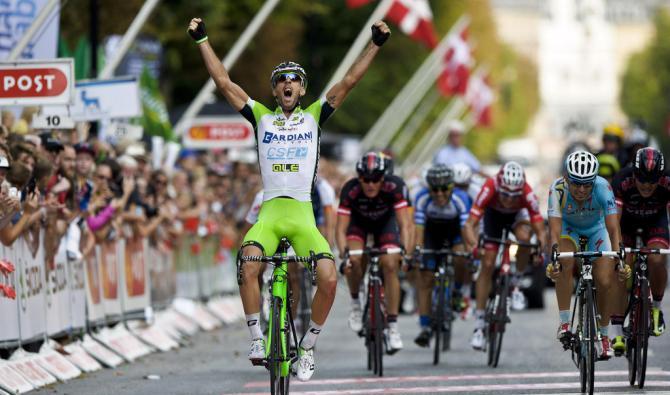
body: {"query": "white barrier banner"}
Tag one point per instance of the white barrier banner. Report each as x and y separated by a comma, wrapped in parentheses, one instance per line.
(134, 279)
(95, 310)
(109, 270)
(162, 276)
(9, 328)
(32, 286)
(76, 275)
(57, 293)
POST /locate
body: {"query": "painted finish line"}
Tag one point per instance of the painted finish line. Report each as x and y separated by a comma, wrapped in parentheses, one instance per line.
(649, 385)
(405, 379)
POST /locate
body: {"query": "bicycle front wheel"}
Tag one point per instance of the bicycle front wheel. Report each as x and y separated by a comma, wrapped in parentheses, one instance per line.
(378, 324)
(499, 322)
(590, 331)
(274, 342)
(642, 338)
(438, 319)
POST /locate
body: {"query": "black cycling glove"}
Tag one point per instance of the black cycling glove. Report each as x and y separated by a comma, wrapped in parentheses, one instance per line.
(199, 34)
(378, 37)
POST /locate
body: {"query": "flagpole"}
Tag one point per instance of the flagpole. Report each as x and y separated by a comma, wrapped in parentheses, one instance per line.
(361, 41)
(431, 142)
(228, 62)
(414, 123)
(406, 100)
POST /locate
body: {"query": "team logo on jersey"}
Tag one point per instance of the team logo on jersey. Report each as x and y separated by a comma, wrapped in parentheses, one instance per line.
(279, 122)
(270, 137)
(286, 168)
(281, 153)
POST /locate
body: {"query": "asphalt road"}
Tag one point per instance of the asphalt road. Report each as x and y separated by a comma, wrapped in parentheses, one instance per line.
(532, 361)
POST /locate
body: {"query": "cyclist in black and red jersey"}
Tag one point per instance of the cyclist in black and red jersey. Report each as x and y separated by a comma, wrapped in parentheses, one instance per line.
(642, 194)
(505, 202)
(375, 203)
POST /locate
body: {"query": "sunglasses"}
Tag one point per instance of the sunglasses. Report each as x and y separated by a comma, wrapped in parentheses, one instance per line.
(371, 180)
(581, 184)
(443, 188)
(509, 195)
(643, 180)
(292, 77)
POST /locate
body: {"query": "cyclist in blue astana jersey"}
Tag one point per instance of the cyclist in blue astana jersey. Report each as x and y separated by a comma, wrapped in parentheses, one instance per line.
(287, 141)
(582, 204)
(441, 211)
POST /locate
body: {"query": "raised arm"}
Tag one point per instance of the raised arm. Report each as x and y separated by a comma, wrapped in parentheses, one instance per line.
(336, 94)
(230, 90)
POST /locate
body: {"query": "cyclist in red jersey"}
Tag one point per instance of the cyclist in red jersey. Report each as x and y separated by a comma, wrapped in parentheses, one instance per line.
(505, 202)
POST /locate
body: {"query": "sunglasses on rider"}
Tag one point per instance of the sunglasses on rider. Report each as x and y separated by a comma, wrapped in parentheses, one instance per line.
(292, 77)
(372, 180)
(577, 184)
(442, 188)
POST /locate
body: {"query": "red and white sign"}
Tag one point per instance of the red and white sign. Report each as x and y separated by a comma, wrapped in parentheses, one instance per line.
(37, 82)
(219, 132)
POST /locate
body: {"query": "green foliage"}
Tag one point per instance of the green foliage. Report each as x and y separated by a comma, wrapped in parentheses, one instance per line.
(645, 90)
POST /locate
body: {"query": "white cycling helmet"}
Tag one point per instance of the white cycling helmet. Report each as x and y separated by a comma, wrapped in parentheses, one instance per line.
(462, 173)
(581, 167)
(511, 177)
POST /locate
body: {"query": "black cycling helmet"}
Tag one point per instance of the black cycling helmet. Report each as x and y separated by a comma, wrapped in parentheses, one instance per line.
(371, 165)
(440, 176)
(649, 164)
(288, 67)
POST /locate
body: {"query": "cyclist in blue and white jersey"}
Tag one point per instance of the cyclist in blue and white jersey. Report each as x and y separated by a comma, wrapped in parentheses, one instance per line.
(440, 212)
(581, 203)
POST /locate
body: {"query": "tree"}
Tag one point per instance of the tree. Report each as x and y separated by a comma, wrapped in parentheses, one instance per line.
(645, 91)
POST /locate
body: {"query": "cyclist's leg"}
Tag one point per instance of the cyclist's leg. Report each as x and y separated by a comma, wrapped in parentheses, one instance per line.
(619, 292)
(426, 278)
(604, 276)
(658, 237)
(523, 232)
(356, 238)
(388, 236)
(564, 282)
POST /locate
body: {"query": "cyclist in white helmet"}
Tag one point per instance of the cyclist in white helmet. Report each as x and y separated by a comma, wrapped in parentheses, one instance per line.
(581, 203)
(505, 202)
(466, 181)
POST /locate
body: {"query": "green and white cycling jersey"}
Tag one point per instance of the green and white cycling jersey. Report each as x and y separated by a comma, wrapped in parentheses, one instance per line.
(288, 148)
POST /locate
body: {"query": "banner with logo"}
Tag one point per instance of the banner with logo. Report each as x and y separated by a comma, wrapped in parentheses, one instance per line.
(134, 279)
(17, 16)
(95, 309)
(29, 259)
(108, 254)
(37, 82)
(219, 132)
(9, 308)
(57, 293)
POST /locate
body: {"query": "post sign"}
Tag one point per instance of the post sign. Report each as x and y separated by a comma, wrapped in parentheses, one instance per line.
(219, 132)
(37, 82)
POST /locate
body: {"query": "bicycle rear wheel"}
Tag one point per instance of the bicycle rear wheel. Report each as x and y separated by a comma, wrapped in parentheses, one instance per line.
(642, 339)
(579, 345)
(438, 319)
(305, 306)
(590, 330)
(378, 324)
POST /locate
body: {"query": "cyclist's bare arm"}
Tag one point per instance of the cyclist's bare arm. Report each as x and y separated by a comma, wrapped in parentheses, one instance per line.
(230, 90)
(540, 232)
(341, 232)
(555, 229)
(418, 236)
(405, 226)
(341, 89)
(468, 232)
(613, 229)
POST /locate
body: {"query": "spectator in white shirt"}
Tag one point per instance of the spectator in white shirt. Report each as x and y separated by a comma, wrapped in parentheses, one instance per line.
(454, 151)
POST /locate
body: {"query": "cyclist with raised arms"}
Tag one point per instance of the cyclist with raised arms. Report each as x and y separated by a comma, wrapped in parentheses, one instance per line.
(287, 141)
(505, 202)
(581, 203)
(374, 203)
(642, 193)
(440, 211)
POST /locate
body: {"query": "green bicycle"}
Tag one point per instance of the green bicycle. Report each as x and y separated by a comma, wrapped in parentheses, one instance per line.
(280, 356)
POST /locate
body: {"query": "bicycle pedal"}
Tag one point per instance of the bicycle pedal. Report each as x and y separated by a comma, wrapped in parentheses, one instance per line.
(391, 351)
(259, 362)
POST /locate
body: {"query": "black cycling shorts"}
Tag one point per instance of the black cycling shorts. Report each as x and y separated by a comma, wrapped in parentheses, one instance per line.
(385, 231)
(654, 230)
